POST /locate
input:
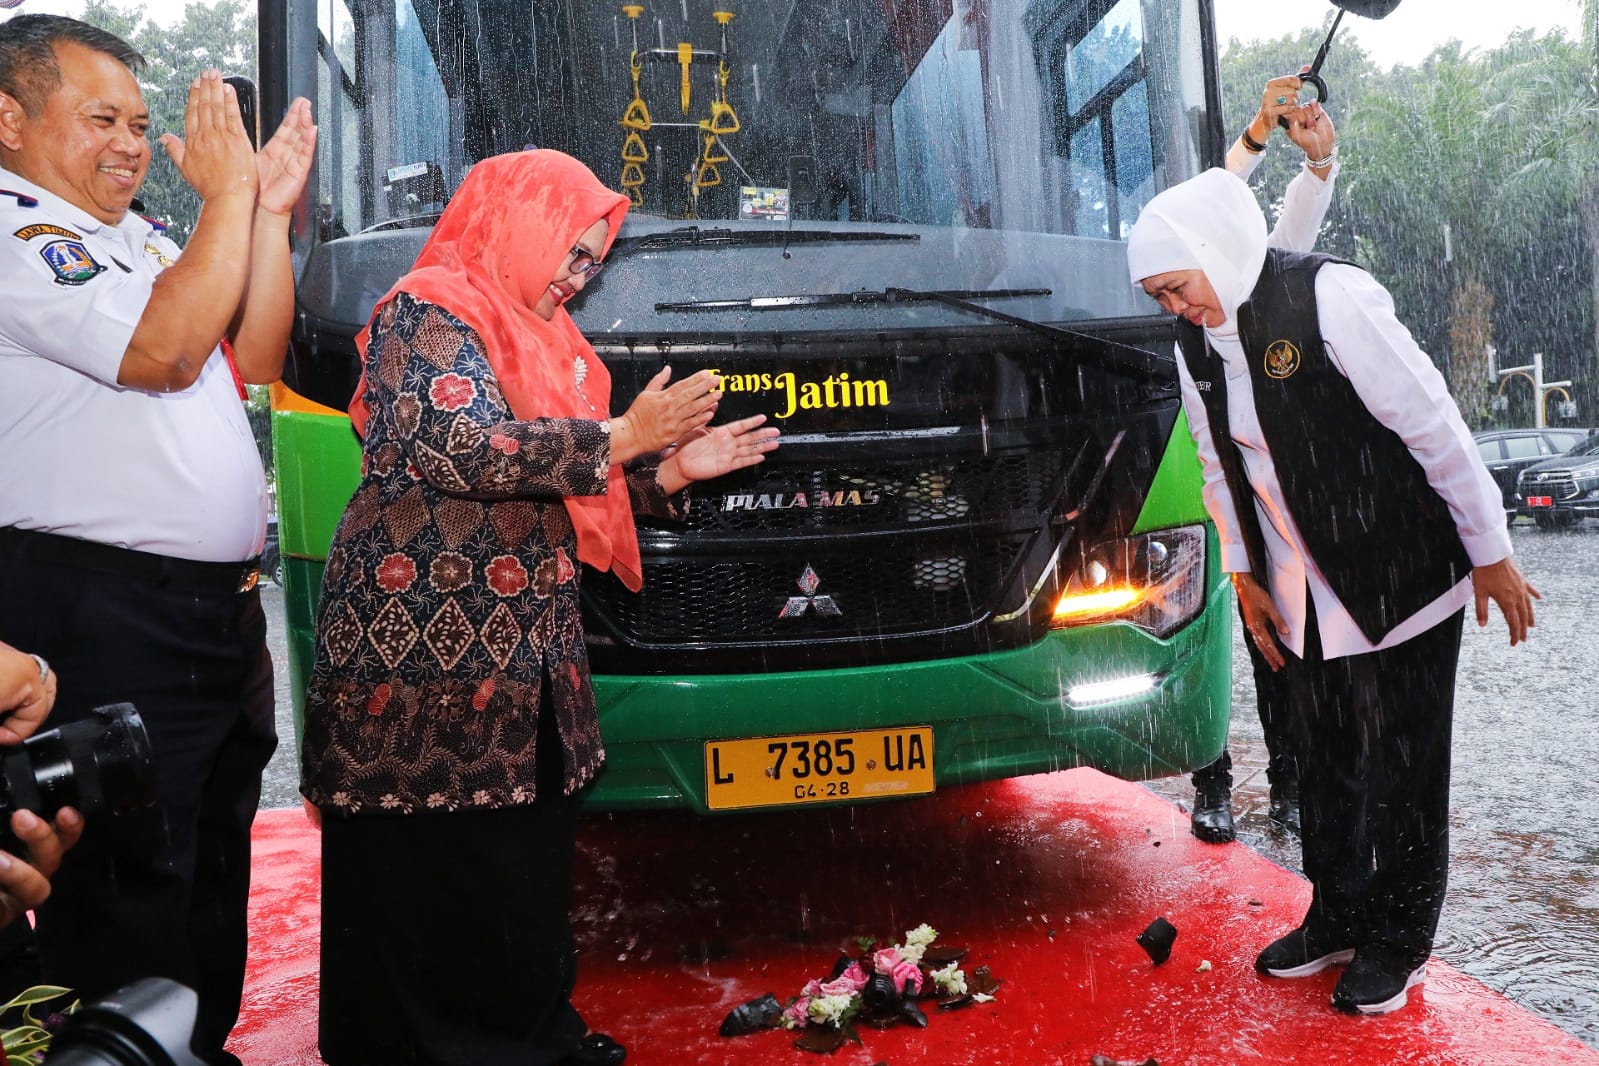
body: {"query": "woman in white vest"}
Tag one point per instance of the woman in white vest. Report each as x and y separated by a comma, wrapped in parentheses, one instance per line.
(1358, 522)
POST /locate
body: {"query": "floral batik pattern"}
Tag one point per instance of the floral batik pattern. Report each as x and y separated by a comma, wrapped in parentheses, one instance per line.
(449, 618)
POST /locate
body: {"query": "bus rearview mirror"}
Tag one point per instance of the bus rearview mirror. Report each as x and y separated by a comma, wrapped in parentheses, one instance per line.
(1372, 9)
(244, 88)
(802, 190)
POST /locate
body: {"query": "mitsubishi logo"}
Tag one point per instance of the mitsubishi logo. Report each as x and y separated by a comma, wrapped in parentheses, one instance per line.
(798, 605)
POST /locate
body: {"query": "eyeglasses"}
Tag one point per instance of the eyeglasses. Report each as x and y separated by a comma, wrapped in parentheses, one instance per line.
(581, 261)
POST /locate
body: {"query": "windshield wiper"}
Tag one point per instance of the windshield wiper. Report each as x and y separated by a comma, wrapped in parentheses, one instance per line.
(698, 237)
(848, 299)
(1116, 356)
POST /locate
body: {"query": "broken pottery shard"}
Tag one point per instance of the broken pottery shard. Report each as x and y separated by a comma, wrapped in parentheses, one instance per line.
(820, 1040)
(937, 957)
(982, 982)
(752, 1017)
(1157, 940)
(910, 1012)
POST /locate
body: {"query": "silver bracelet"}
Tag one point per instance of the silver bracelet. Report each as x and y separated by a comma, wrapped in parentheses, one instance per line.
(44, 668)
(1324, 162)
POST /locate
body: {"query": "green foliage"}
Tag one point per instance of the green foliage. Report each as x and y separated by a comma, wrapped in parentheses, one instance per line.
(220, 35)
(1470, 188)
(23, 1037)
(1245, 69)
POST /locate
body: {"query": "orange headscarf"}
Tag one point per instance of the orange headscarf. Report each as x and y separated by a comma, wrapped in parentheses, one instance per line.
(492, 254)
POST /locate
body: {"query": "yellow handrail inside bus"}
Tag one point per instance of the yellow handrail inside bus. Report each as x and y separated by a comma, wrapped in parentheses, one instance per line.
(685, 57)
(724, 119)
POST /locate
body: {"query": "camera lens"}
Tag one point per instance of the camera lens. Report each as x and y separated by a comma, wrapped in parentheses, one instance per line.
(98, 763)
(148, 1023)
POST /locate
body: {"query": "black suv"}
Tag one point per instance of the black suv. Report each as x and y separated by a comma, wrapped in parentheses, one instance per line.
(1507, 452)
(1560, 492)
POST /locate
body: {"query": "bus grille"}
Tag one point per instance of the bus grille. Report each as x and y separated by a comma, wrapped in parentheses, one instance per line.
(901, 592)
(890, 496)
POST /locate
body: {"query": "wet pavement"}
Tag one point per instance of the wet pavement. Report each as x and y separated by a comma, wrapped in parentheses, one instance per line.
(1522, 914)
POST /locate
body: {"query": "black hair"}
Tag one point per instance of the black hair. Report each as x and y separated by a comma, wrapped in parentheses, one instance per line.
(29, 69)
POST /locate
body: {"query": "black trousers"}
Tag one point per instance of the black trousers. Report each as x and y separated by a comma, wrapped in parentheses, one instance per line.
(446, 939)
(1374, 732)
(161, 891)
(1272, 700)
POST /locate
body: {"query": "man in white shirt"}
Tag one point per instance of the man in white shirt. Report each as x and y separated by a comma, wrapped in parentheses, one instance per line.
(1305, 205)
(1358, 522)
(132, 500)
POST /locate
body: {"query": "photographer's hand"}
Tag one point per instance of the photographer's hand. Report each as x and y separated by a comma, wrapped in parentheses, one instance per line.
(25, 885)
(27, 691)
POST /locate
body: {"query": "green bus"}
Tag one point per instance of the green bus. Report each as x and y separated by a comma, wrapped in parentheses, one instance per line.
(895, 227)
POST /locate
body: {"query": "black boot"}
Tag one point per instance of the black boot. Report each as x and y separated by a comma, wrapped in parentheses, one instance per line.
(1212, 821)
(1284, 811)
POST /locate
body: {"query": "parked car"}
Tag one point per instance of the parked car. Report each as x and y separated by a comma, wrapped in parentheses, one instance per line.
(271, 555)
(1507, 452)
(1563, 491)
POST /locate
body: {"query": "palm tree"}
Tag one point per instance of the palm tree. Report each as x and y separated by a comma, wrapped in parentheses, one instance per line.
(1549, 106)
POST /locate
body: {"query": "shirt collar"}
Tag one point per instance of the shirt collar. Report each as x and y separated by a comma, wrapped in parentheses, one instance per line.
(69, 213)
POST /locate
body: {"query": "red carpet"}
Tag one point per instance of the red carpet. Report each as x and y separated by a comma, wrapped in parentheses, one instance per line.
(1047, 879)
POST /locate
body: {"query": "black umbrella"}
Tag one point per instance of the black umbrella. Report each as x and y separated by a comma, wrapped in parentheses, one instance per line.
(1372, 9)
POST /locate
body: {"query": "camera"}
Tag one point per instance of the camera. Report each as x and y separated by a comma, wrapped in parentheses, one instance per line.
(147, 1023)
(95, 764)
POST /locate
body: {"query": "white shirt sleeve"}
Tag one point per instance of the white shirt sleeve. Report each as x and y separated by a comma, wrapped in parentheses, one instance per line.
(1241, 162)
(1404, 391)
(1305, 205)
(86, 326)
(1217, 496)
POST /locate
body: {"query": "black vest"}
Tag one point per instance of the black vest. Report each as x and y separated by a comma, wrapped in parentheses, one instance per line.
(1381, 535)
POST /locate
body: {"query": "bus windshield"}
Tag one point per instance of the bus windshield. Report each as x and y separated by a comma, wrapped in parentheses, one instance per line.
(952, 145)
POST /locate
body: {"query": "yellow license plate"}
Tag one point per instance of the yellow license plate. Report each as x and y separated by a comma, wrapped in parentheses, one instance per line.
(818, 768)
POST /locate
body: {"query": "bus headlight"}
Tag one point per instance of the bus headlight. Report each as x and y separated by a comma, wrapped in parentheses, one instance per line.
(1155, 581)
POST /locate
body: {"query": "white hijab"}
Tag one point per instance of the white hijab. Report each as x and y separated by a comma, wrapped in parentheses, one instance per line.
(1209, 223)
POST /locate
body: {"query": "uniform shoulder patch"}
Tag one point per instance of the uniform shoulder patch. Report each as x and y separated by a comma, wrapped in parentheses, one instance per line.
(155, 223)
(71, 261)
(22, 199)
(42, 229)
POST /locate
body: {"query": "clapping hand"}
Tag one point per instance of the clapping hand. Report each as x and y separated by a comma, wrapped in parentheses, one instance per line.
(720, 450)
(663, 415)
(214, 154)
(284, 163)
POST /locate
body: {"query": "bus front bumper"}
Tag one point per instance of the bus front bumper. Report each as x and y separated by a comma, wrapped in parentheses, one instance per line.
(1054, 705)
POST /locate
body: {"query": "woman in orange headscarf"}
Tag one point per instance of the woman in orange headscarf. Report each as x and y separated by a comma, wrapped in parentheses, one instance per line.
(450, 723)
